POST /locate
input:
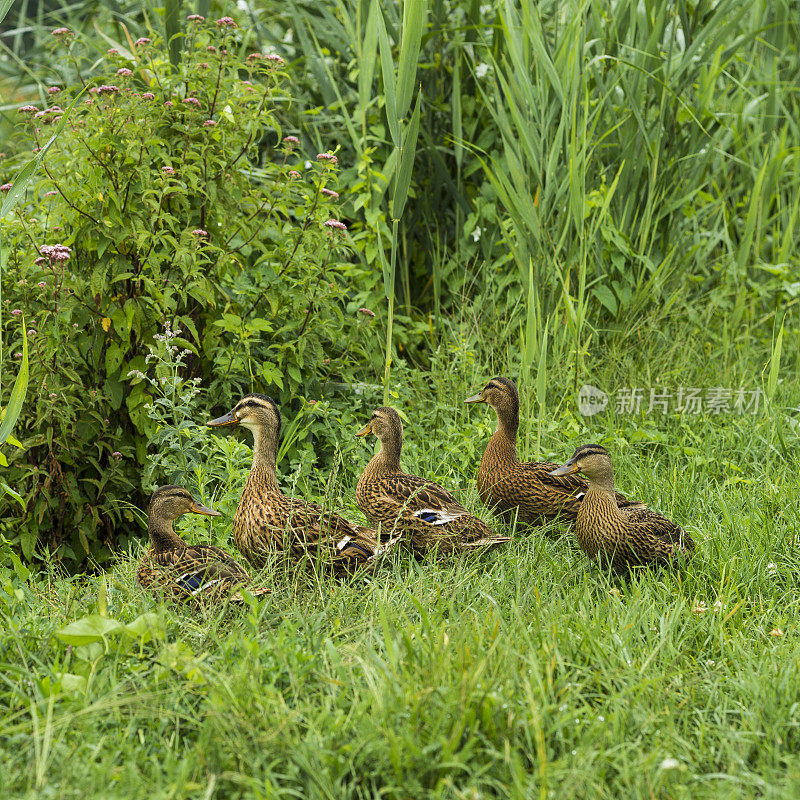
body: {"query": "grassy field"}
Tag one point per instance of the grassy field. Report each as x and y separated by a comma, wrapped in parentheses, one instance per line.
(526, 672)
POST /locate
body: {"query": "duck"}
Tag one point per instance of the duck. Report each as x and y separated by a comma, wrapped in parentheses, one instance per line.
(267, 521)
(393, 500)
(182, 571)
(527, 492)
(622, 537)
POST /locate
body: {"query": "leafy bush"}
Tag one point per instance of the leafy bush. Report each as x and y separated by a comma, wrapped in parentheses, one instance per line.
(172, 196)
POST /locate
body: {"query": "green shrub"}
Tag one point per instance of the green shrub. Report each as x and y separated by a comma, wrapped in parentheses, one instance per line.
(172, 197)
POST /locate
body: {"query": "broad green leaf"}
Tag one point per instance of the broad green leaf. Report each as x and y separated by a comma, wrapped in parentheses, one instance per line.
(144, 627)
(387, 67)
(18, 393)
(11, 493)
(415, 13)
(366, 58)
(5, 5)
(407, 153)
(93, 628)
(172, 29)
(774, 365)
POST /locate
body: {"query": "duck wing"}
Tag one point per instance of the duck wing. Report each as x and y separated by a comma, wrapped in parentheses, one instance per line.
(415, 494)
(192, 571)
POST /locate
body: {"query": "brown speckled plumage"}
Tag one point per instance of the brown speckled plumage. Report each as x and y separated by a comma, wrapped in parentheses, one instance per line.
(523, 491)
(180, 571)
(621, 537)
(267, 520)
(397, 502)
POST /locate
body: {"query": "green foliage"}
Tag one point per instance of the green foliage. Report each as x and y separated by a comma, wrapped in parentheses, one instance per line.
(170, 196)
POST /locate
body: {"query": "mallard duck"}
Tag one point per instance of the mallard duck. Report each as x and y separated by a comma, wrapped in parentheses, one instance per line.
(528, 492)
(186, 571)
(397, 501)
(623, 537)
(267, 520)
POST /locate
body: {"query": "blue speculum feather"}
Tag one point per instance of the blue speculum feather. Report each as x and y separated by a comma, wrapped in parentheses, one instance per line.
(428, 516)
(191, 582)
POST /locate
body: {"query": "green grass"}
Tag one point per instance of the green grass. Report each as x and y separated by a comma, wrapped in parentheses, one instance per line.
(526, 672)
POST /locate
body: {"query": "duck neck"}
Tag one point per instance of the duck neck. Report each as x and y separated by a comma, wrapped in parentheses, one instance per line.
(503, 444)
(387, 459)
(265, 456)
(162, 535)
(603, 485)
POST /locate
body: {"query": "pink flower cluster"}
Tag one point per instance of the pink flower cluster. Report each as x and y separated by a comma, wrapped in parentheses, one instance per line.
(106, 89)
(330, 193)
(226, 22)
(191, 101)
(294, 175)
(55, 252)
(142, 41)
(148, 96)
(196, 18)
(290, 141)
(53, 90)
(5, 187)
(124, 72)
(27, 109)
(209, 123)
(275, 59)
(329, 157)
(334, 224)
(63, 32)
(199, 232)
(168, 170)
(112, 51)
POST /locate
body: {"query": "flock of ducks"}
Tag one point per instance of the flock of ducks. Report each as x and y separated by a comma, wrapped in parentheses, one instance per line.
(619, 532)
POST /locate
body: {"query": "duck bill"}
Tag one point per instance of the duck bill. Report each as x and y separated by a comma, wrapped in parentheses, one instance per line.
(570, 468)
(476, 398)
(366, 430)
(226, 419)
(198, 508)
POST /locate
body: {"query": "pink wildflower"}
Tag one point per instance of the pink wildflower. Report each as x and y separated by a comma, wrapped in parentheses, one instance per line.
(275, 59)
(117, 455)
(334, 224)
(294, 175)
(50, 193)
(16, 312)
(168, 170)
(330, 193)
(195, 18)
(124, 72)
(226, 22)
(113, 51)
(63, 32)
(106, 89)
(199, 232)
(329, 157)
(142, 41)
(5, 187)
(169, 104)
(53, 90)
(290, 141)
(191, 101)
(55, 252)
(148, 96)
(42, 285)
(366, 312)
(209, 123)
(211, 49)
(27, 109)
